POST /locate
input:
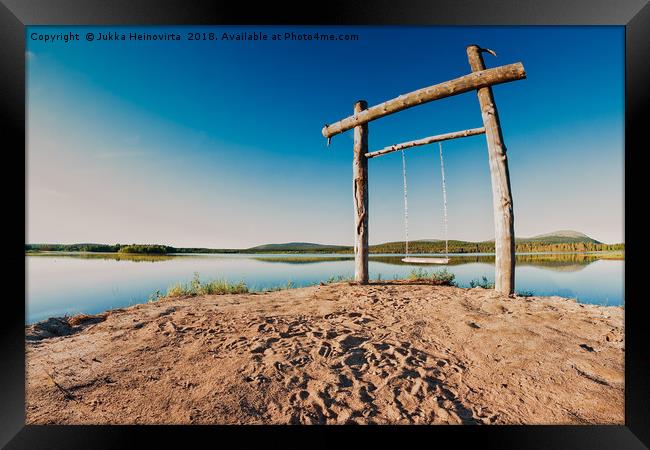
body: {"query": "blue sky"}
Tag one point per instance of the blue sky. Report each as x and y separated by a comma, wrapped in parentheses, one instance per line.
(218, 144)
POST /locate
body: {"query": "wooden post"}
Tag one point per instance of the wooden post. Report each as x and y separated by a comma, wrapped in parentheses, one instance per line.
(504, 239)
(360, 196)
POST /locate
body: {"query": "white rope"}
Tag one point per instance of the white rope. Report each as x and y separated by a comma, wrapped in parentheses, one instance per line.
(406, 205)
(444, 200)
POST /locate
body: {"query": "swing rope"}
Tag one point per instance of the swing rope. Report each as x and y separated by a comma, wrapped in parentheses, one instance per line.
(444, 204)
(444, 201)
(406, 205)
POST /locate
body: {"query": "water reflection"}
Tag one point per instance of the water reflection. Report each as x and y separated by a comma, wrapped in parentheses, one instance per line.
(70, 283)
(112, 256)
(562, 262)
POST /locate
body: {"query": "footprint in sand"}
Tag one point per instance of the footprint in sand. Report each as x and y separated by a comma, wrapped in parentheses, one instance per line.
(356, 358)
(300, 361)
(351, 341)
(266, 328)
(344, 381)
(297, 398)
(364, 396)
(325, 350)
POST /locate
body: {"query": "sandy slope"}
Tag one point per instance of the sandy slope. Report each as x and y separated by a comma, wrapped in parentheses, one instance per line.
(383, 353)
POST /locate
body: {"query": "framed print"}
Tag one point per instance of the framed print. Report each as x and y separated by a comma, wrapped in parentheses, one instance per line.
(407, 216)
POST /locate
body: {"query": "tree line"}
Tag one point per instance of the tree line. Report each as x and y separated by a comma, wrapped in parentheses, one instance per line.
(488, 247)
(389, 247)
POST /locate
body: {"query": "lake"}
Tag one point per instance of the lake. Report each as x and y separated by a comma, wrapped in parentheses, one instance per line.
(60, 284)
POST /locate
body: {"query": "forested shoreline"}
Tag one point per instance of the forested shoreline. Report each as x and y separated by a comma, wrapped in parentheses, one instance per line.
(389, 247)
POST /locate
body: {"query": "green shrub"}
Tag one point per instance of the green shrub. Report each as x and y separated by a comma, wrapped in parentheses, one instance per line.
(525, 293)
(178, 290)
(443, 277)
(219, 287)
(289, 285)
(154, 297)
(483, 283)
(339, 279)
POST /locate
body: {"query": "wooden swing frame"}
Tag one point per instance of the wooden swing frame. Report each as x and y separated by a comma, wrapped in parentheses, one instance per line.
(481, 80)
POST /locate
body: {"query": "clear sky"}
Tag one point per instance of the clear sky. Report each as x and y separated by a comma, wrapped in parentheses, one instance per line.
(218, 144)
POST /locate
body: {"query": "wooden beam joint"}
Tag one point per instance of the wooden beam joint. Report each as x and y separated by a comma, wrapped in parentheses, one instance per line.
(475, 80)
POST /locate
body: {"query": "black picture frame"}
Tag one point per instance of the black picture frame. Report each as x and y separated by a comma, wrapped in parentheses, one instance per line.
(634, 15)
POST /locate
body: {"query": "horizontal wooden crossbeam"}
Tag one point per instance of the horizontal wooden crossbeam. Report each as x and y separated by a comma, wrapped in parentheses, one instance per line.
(426, 140)
(472, 81)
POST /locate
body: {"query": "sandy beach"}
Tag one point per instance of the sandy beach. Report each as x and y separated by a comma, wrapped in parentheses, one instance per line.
(384, 353)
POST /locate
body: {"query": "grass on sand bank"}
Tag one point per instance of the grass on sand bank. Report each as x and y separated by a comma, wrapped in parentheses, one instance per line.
(197, 287)
(211, 287)
(443, 276)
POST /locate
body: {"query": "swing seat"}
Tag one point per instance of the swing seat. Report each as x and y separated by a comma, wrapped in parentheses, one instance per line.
(425, 260)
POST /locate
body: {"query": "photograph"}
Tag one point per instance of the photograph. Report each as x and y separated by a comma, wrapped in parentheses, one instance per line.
(327, 225)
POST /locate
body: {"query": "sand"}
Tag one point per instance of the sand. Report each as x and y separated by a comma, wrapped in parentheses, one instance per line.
(385, 353)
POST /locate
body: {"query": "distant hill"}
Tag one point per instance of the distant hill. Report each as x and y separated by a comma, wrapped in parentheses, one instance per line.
(558, 241)
(561, 237)
(297, 247)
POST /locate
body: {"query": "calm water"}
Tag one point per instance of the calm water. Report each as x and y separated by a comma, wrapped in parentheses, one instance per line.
(90, 283)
